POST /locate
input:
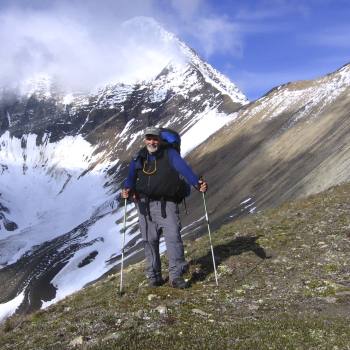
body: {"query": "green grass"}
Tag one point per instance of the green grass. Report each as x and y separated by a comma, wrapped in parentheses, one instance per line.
(284, 278)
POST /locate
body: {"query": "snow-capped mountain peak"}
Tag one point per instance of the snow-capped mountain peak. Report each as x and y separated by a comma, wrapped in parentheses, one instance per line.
(64, 156)
(180, 55)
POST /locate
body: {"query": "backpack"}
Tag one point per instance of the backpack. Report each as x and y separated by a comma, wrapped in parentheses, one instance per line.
(171, 138)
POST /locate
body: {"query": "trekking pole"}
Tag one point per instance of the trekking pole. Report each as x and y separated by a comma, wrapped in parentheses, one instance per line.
(122, 263)
(211, 245)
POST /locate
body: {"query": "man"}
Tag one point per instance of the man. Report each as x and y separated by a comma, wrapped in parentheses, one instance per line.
(156, 185)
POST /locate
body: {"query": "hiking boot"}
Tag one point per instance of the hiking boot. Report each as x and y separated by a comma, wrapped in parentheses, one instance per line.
(156, 282)
(179, 283)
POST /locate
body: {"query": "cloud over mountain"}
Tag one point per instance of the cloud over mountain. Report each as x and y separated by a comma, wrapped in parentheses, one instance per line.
(83, 44)
(78, 55)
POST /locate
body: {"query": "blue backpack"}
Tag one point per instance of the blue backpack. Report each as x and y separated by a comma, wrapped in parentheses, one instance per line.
(171, 138)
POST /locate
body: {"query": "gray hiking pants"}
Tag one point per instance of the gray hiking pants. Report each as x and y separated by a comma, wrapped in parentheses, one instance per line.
(152, 225)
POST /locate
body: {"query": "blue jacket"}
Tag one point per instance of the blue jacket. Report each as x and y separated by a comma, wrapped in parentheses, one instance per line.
(175, 160)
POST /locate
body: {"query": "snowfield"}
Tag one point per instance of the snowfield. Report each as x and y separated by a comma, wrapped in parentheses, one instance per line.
(46, 196)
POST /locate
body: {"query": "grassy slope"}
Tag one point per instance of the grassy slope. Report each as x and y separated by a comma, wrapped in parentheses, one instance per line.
(284, 283)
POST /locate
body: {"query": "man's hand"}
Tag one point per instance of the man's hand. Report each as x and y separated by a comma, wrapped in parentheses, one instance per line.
(202, 186)
(125, 193)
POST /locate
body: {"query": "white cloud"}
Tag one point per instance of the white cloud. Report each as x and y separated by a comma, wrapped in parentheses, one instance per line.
(218, 35)
(84, 43)
(80, 47)
(209, 32)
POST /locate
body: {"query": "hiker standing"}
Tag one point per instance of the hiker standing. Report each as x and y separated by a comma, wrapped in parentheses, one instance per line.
(156, 183)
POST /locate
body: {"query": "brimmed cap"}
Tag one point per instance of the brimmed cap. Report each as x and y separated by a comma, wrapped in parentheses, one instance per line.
(152, 131)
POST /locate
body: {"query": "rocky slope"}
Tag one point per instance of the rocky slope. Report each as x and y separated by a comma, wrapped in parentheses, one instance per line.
(290, 143)
(284, 283)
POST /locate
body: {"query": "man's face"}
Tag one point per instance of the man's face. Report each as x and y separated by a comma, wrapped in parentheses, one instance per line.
(152, 143)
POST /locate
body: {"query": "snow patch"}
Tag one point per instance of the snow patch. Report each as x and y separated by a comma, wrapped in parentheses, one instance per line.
(44, 190)
(209, 122)
(51, 189)
(9, 308)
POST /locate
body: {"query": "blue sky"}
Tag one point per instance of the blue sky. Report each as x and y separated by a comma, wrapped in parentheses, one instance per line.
(257, 44)
(261, 44)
